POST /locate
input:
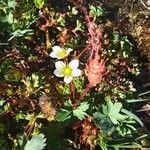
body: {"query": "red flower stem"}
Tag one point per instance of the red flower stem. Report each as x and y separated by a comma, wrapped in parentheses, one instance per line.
(83, 51)
(86, 90)
(94, 40)
(72, 87)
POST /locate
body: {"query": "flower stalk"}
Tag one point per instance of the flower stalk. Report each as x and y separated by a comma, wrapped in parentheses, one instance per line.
(95, 67)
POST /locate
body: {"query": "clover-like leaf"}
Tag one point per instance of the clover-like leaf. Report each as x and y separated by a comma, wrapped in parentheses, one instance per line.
(80, 111)
(113, 111)
(37, 142)
(65, 113)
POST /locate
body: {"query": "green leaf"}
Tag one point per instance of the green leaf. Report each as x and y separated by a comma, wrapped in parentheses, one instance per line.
(125, 128)
(79, 114)
(63, 89)
(80, 111)
(112, 111)
(12, 3)
(12, 75)
(68, 105)
(74, 11)
(5, 65)
(9, 18)
(39, 3)
(3, 144)
(63, 115)
(2, 101)
(68, 112)
(130, 114)
(61, 20)
(96, 11)
(103, 122)
(37, 142)
(79, 26)
(102, 142)
(21, 33)
(79, 84)
(20, 115)
(83, 106)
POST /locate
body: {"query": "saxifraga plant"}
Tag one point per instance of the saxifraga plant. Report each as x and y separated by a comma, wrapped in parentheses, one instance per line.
(73, 92)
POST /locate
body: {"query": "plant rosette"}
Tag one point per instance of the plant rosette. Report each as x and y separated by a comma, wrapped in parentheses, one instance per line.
(68, 71)
(60, 53)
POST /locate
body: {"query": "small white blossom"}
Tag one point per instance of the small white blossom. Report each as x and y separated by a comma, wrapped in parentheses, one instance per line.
(59, 52)
(68, 71)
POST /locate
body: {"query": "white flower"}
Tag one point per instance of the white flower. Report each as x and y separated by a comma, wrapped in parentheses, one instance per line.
(59, 52)
(68, 71)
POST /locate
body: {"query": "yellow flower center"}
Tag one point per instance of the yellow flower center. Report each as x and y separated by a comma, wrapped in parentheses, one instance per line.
(62, 53)
(67, 71)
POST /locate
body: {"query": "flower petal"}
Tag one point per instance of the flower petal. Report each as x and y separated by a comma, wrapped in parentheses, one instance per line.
(53, 55)
(68, 79)
(58, 73)
(56, 48)
(74, 64)
(59, 64)
(69, 50)
(76, 72)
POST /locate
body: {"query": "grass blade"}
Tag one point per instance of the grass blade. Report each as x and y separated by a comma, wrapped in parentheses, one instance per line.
(130, 114)
(136, 100)
(148, 92)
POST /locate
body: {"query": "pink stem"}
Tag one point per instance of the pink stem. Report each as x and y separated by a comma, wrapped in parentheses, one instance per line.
(86, 90)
